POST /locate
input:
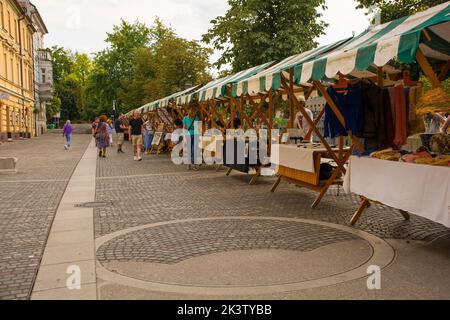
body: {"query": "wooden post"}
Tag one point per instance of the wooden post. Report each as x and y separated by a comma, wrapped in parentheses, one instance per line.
(330, 101)
(314, 127)
(270, 124)
(363, 206)
(427, 69)
(291, 103)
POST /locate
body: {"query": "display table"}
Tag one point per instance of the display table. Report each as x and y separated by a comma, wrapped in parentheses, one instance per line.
(423, 190)
(301, 165)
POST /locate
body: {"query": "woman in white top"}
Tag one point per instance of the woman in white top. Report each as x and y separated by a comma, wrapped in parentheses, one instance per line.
(302, 124)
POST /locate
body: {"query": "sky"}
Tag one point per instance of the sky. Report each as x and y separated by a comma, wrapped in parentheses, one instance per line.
(81, 25)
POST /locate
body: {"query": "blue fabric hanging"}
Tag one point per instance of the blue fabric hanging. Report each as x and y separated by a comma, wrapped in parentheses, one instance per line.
(350, 103)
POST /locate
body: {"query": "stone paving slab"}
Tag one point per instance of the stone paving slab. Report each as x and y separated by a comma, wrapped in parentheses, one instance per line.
(29, 201)
(137, 195)
(71, 250)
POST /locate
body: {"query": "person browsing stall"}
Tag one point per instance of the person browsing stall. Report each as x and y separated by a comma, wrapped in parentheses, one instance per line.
(135, 131)
(120, 127)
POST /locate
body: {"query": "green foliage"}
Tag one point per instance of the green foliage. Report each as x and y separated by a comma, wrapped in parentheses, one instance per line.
(253, 32)
(53, 108)
(114, 65)
(171, 65)
(70, 71)
(427, 85)
(394, 9)
(143, 64)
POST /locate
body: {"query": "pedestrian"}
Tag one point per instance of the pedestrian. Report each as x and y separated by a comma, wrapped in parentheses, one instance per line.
(102, 134)
(192, 136)
(303, 125)
(135, 131)
(148, 135)
(120, 127)
(94, 129)
(110, 131)
(67, 133)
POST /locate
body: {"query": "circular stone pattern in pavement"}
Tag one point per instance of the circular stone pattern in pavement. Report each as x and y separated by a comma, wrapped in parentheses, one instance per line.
(238, 256)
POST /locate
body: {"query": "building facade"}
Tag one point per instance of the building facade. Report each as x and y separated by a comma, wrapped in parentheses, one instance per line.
(43, 68)
(17, 71)
(44, 88)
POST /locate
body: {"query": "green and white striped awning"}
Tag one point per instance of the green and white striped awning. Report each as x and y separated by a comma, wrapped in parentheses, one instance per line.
(218, 88)
(262, 82)
(162, 103)
(360, 56)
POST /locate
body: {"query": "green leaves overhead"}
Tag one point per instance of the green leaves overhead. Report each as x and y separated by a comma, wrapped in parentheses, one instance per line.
(253, 32)
(394, 9)
(143, 64)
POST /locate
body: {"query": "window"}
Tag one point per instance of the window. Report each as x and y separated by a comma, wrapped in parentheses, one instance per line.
(12, 70)
(44, 80)
(6, 65)
(9, 22)
(2, 18)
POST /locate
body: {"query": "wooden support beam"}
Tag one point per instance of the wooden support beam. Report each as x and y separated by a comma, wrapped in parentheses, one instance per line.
(363, 206)
(292, 112)
(314, 127)
(427, 69)
(316, 122)
(241, 111)
(331, 103)
(270, 124)
(276, 184)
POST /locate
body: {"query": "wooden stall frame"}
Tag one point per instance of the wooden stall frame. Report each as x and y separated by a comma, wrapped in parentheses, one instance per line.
(340, 157)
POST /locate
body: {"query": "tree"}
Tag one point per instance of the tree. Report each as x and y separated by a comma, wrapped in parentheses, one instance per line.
(115, 64)
(53, 108)
(62, 61)
(180, 64)
(394, 9)
(168, 65)
(253, 32)
(69, 92)
(70, 75)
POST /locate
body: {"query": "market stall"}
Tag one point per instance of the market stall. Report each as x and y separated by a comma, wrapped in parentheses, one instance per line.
(370, 98)
(218, 109)
(163, 114)
(419, 189)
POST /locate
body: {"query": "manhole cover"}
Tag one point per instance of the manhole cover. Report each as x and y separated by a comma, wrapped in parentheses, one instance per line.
(98, 204)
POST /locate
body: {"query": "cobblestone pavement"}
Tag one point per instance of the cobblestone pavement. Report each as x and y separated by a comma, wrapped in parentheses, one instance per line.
(156, 190)
(28, 203)
(172, 244)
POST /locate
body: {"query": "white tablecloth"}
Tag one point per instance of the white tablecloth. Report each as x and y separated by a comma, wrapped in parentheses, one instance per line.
(293, 157)
(423, 190)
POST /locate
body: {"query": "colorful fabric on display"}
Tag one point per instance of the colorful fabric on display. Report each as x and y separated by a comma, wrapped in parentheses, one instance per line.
(401, 132)
(350, 103)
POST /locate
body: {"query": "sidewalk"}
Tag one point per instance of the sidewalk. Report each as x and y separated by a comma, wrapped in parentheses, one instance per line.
(157, 231)
(29, 201)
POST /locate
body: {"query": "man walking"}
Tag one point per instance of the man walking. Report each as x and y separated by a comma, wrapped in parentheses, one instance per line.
(120, 131)
(135, 131)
